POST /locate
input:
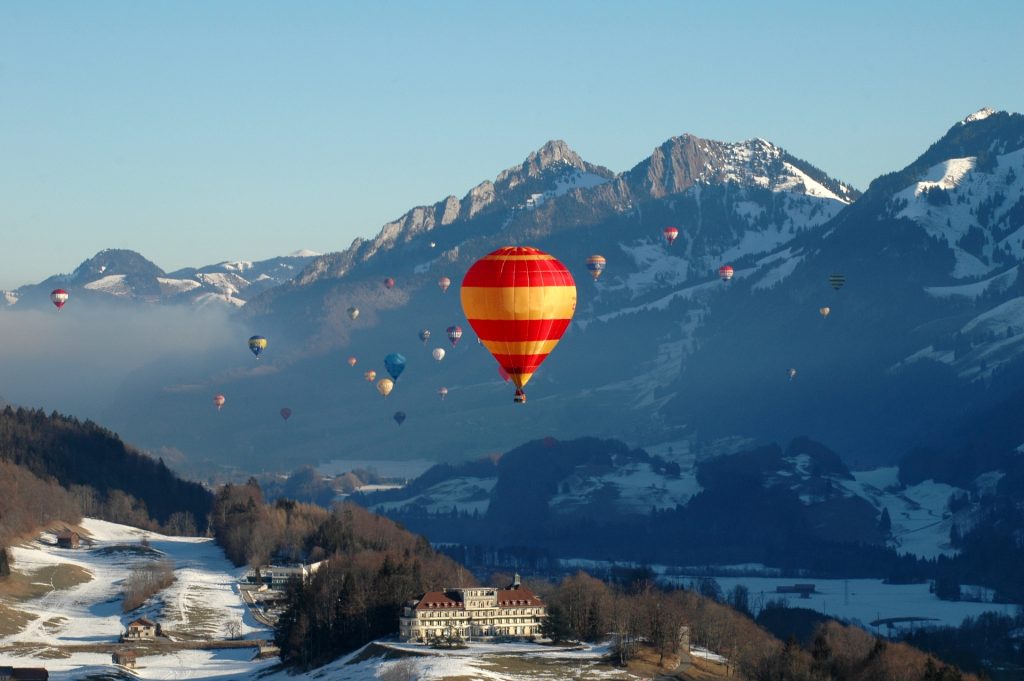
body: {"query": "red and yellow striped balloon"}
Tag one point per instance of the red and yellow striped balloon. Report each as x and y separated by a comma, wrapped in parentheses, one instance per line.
(520, 301)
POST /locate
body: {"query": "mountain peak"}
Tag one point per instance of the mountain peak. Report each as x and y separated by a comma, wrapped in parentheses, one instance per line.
(979, 115)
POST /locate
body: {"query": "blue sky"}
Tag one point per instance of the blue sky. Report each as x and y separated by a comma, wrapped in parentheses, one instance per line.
(196, 132)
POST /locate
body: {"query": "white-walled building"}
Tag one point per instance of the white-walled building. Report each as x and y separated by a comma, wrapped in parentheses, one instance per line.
(473, 612)
(277, 576)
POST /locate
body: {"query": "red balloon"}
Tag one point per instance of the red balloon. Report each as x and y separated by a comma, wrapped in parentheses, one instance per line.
(389, 283)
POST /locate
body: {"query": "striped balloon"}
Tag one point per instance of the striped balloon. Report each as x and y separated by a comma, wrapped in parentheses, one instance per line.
(726, 272)
(595, 264)
(836, 280)
(58, 297)
(671, 234)
(520, 301)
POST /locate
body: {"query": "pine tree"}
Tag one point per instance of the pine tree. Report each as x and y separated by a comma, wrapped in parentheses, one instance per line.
(556, 625)
(885, 523)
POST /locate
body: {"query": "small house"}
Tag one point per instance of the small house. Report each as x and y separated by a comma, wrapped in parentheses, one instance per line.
(67, 539)
(24, 674)
(142, 628)
(125, 658)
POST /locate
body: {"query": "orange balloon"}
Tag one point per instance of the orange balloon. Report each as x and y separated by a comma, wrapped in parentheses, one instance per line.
(519, 301)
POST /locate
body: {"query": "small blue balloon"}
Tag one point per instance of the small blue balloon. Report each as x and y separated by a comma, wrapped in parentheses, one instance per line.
(395, 364)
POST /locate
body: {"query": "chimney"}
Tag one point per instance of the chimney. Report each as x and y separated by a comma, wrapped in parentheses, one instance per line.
(515, 581)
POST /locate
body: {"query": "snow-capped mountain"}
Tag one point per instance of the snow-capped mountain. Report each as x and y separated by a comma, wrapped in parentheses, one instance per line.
(661, 351)
(123, 275)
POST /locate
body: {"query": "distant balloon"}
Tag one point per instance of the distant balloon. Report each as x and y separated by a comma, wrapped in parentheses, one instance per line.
(424, 335)
(353, 313)
(58, 297)
(442, 391)
(726, 272)
(433, 244)
(792, 374)
(836, 280)
(443, 283)
(438, 354)
(399, 417)
(595, 264)
(395, 364)
(286, 413)
(671, 234)
(370, 376)
(389, 283)
(825, 311)
(385, 386)
(257, 344)
(352, 361)
(218, 401)
(454, 334)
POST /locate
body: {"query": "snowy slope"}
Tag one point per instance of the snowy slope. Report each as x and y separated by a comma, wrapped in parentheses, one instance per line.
(201, 603)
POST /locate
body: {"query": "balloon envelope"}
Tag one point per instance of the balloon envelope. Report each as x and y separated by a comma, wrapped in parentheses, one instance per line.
(399, 417)
(58, 297)
(353, 313)
(454, 334)
(438, 354)
(671, 233)
(595, 264)
(825, 311)
(395, 364)
(389, 283)
(836, 280)
(425, 335)
(443, 283)
(351, 361)
(442, 391)
(218, 401)
(385, 386)
(726, 272)
(520, 301)
(286, 413)
(370, 375)
(257, 344)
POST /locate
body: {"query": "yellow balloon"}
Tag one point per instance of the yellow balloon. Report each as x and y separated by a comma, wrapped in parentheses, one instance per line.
(385, 386)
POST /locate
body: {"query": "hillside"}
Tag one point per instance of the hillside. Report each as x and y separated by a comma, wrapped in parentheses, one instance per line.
(101, 470)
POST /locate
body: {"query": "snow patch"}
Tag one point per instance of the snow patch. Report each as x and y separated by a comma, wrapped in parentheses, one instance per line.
(112, 284)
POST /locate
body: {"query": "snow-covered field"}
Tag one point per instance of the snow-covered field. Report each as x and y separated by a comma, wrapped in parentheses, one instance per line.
(480, 661)
(201, 604)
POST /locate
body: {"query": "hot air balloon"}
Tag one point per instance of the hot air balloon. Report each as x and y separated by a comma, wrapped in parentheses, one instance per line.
(595, 264)
(836, 280)
(505, 376)
(825, 311)
(726, 272)
(257, 344)
(218, 401)
(286, 413)
(792, 374)
(389, 283)
(58, 297)
(520, 301)
(433, 244)
(399, 417)
(351, 361)
(438, 354)
(443, 283)
(425, 335)
(454, 334)
(671, 234)
(395, 364)
(442, 391)
(353, 313)
(385, 386)
(370, 376)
